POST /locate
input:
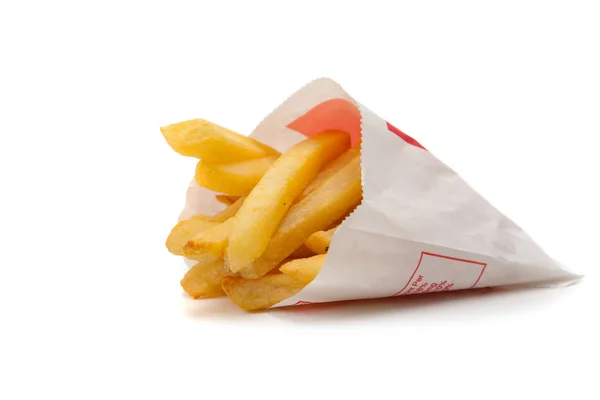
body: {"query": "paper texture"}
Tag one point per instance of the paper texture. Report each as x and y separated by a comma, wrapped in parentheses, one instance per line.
(420, 227)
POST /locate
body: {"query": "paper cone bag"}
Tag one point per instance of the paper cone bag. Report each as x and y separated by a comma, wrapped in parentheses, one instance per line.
(420, 227)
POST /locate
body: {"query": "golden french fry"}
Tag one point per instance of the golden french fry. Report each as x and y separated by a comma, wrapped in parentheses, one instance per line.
(209, 245)
(224, 199)
(317, 211)
(204, 280)
(228, 212)
(223, 215)
(320, 241)
(236, 179)
(302, 252)
(271, 198)
(341, 220)
(255, 294)
(186, 230)
(329, 170)
(304, 269)
(213, 143)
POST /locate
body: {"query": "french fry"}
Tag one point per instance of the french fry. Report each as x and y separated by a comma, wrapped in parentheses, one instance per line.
(271, 198)
(329, 170)
(317, 211)
(302, 252)
(304, 269)
(204, 280)
(320, 241)
(209, 245)
(213, 143)
(228, 212)
(186, 230)
(224, 199)
(260, 293)
(225, 214)
(235, 179)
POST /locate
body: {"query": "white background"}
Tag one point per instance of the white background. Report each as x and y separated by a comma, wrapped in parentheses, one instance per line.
(90, 303)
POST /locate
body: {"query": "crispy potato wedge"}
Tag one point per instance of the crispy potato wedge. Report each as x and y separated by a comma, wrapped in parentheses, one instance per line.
(186, 230)
(209, 245)
(320, 241)
(304, 269)
(204, 280)
(256, 294)
(317, 211)
(213, 143)
(329, 170)
(235, 179)
(271, 198)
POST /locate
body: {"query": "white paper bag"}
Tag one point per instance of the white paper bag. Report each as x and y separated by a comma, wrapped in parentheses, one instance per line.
(420, 227)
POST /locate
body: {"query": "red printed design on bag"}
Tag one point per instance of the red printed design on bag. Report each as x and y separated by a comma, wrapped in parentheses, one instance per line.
(334, 114)
(404, 136)
(342, 115)
(438, 273)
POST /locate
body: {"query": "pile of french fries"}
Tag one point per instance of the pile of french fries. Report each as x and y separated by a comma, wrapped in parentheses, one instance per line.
(281, 211)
